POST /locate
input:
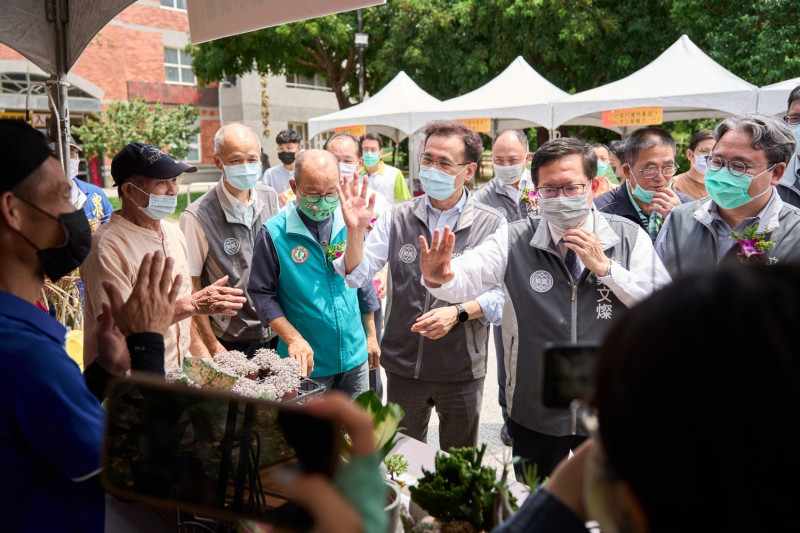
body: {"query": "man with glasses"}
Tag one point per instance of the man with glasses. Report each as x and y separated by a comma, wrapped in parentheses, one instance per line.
(743, 220)
(434, 352)
(789, 186)
(294, 288)
(647, 197)
(568, 274)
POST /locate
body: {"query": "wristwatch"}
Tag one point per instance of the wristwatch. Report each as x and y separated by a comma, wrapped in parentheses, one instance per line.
(463, 316)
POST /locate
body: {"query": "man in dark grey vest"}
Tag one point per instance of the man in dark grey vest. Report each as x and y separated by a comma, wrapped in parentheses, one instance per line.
(220, 229)
(567, 274)
(789, 187)
(745, 219)
(510, 192)
(434, 353)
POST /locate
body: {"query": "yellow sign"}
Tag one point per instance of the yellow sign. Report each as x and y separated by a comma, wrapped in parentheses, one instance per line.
(481, 125)
(633, 116)
(355, 131)
(13, 116)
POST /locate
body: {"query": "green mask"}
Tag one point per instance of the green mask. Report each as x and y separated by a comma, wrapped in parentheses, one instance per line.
(318, 208)
(371, 158)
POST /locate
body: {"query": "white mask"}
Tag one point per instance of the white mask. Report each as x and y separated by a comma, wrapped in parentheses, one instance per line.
(346, 171)
(565, 212)
(700, 164)
(73, 167)
(159, 205)
(510, 174)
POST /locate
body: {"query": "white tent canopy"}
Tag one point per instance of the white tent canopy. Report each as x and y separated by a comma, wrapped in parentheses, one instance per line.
(389, 111)
(683, 80)
(774, 98)
(519, 96)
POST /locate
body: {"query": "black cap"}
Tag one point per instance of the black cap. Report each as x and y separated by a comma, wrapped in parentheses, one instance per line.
(145, 160)
(22, 150)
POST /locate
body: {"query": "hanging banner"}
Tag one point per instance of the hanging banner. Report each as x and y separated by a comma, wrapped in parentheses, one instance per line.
(633, 116)
(481, 125)
(355, 131)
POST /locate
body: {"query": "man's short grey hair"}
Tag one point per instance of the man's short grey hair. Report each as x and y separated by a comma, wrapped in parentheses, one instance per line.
(766, 132)
(219, 137)
(519, 134)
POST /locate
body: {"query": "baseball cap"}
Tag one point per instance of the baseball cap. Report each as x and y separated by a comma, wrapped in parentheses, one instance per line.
(70, 141)
(145, 160)
(22, 150)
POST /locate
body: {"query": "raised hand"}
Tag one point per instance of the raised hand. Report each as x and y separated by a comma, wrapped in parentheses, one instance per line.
(357, 207)
(434, 262)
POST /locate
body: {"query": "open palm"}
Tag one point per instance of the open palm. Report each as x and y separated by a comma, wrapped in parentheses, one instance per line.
(357, 209)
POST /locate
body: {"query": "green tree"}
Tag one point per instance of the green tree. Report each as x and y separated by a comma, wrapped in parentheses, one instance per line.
(755, 39)
(170, 128)
(323, 46)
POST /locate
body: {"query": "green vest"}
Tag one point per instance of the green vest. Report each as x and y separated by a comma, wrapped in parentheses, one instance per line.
(314, 297)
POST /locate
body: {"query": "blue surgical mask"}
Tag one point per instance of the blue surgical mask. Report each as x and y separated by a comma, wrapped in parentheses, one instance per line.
(643, 194)
(602, 166)
(244, 176)
(796, 130)
(437, 184)
(729, 191)
(159, 205)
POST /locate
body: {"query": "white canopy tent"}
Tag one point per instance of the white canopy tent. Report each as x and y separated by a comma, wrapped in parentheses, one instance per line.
(773, 99)
(389, 111)
(683, 80)
(519, 97)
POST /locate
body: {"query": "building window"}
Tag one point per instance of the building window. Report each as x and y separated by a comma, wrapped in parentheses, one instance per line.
(178, 66)
(320, 139)
(18, 82)
(193, 155)
(318, 82)
(301, 128)
(174, 4)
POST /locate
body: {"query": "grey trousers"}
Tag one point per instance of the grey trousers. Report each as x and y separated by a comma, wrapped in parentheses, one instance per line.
(353, 382)
(458, 406)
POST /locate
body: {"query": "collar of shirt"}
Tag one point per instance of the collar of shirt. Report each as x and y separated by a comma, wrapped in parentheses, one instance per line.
(118, 219)
(235, 211)
(438, 219)
(379, 170)
(769, 214)
(76, 196)
(321, 230)
(17, 309)
(515, 194)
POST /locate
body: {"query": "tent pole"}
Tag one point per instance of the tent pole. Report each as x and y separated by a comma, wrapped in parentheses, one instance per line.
(60, 10)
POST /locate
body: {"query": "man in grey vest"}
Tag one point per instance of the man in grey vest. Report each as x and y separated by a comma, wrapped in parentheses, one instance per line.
(744, 220)
(220, 229)
(567, 275)
(789, 186)
(434, 353)
(511, 193)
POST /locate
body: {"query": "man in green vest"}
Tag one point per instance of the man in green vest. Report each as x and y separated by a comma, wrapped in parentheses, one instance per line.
(295, 289)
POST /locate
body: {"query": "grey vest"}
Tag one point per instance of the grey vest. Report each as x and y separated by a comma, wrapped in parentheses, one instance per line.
(461, 354)
(691, 243)
(789, 186)
(494, 195)
(543, 305)
(230, 252)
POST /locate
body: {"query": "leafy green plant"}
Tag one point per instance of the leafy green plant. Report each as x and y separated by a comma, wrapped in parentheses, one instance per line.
(385, 420)
(461, 489)
(396, 465)
(530, 476)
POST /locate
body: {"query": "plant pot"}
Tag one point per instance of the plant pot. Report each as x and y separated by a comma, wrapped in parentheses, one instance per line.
(392, 508)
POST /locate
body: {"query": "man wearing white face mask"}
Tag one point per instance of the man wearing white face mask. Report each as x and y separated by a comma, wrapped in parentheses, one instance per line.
(789, 186)
(744, 220)
(220, 230)
(572, 273)
(147, 180)
(83, 195)
(510, 192)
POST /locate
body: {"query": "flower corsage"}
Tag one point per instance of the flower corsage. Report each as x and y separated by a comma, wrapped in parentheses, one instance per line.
(529, 198)
(752, 245)
(334, 251)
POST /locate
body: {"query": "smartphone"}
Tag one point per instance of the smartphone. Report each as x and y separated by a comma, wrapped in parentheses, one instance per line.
(568, 372)
(210, 452)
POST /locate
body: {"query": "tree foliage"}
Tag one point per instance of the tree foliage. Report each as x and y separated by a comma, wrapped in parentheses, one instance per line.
(171, 129)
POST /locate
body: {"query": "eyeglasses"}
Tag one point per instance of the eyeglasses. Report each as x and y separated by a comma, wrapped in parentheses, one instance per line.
(569, 190)
(737, 168)
(651, 173)
(315, 198)
(444, 166)
(792, 119)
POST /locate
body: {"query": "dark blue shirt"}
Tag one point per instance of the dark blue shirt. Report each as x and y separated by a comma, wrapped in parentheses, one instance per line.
(51, 428)
(97, 207)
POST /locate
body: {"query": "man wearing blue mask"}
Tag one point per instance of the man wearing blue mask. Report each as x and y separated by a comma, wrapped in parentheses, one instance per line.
(744, 220)
(567, 274)
(789, 186)
(434, 353)
(220, 230)
(147, 181)
(647, 197)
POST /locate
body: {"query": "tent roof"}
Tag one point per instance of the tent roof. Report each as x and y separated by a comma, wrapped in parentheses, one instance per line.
(774, 98)
(392, 106)
(519, 92)
(683, 80)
